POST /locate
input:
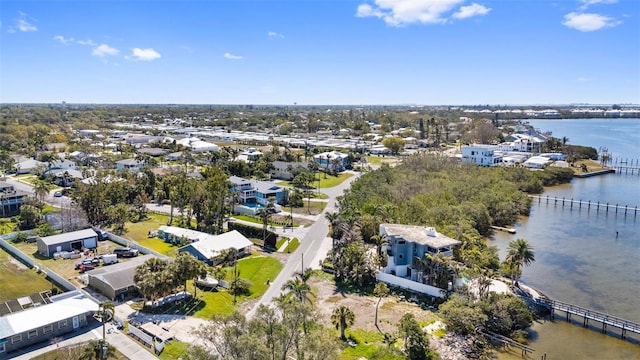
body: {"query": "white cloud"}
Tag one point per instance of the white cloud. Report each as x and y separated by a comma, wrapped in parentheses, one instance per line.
(470, 11)
(273, 34)
(588, 22)
(145, 54)
(232, 57)
(582, 79)
(402, 12)
(63, 40)
(587, 3)
(103, 50)
(86, 42)
(21, 24)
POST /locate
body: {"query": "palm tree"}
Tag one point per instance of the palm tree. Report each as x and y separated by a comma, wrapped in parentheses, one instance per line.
(265, 215)
(106, 312)
(41, 189)
(520, 254)
(342, 317)
(300, 289)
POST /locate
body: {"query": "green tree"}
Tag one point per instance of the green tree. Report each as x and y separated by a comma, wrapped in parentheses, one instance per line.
(342, 317)
(394, 144)
(416, 343)
(30, 217)
(520, 253)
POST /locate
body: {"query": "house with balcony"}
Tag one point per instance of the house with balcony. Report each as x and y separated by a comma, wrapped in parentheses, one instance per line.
(253, 195)
(11, 199)
(408, 247)
(482, 155)
(129, 165)
(332, 160)
(286, 170)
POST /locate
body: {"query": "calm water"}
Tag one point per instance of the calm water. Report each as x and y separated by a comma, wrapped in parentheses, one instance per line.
(579, 259)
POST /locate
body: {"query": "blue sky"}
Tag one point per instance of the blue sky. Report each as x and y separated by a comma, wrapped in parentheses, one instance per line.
(321, 52)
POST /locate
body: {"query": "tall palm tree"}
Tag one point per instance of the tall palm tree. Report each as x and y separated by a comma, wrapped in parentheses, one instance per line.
(41, 189)
(265, 215)
(106, 312)
(520, 253)
(300, 289)
(342, 317)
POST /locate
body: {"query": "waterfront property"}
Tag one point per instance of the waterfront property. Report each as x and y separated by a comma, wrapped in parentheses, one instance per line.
(116, 281)
(208, 246)
(407, 246)
(67, 312)
(10, 199)
(76, 240)
(481, 154)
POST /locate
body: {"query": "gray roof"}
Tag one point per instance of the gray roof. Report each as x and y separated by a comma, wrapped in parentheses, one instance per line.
(267, 187)
(70, 236)
(418, 234)
(129, 162)
(294, 164)
(120, 275)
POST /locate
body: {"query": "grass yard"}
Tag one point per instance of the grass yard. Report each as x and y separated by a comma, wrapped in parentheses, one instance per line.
(330, 181)
(140, 230)
(256, 268)
(16, 280)
(316, 208)
(293, 245)
(159, 245)
(368, 342)
(174, 350)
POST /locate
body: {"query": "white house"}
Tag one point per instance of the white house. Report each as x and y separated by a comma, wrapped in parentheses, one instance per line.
(537, 162)
(208, 246)
(129, 164)
(482, 155)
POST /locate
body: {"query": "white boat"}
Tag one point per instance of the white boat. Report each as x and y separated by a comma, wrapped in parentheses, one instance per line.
(207, 282)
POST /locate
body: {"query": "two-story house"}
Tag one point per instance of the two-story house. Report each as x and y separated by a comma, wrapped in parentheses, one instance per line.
(285, 170)
(408, 247)
(10, 199)
(482, 155)
(333, 160)
(129, 164)
(252, 195)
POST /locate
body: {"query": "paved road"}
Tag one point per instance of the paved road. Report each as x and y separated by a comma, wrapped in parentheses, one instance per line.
(313, 247)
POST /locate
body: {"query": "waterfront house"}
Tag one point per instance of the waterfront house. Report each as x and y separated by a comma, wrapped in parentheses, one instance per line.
(407, 246)
(482, 155)
(65, 313)
(11, 199)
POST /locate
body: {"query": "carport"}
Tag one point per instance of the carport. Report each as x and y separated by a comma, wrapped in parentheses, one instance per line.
(157, 331)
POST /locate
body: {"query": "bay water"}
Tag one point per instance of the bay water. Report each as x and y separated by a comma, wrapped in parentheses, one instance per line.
(586, 257)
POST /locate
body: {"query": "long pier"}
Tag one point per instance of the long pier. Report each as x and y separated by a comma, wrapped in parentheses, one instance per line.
(588, 314)
(588, 204)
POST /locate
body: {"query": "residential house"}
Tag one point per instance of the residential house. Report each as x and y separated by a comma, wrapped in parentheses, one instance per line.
(407, 245)
(174, 156)
(208, 246)
(61, 164)
(65, 313)
(116, 281)
(67, 178)
(250, 155)
(254, 194)
(285, 170)
(54, 146)
(76, 240)
(29, 166)
(482, 155)
(523, 143)
(11, 199)
(537, 162)
(197, 145)
(155, 152)
(332, 160)
(129, 164)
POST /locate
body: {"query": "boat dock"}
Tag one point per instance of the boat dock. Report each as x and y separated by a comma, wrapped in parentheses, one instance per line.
(588, 204)
(503, 340)
(587, 314)
(500, 228)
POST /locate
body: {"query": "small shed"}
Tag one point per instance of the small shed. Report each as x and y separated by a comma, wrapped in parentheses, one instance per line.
(76, 240)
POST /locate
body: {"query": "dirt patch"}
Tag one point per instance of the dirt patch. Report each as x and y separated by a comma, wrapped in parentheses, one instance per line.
(390, 311)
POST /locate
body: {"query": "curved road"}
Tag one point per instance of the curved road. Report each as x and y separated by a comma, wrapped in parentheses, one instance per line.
(313, 247)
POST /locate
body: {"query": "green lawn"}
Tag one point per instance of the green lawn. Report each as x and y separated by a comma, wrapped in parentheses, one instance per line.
(16, 281)
(330, 181)
(174, 350)
(316, 208)
(140, 230)
(159, 245)
(248, 218)
(256, 268)
(293, 245)
(367, 343)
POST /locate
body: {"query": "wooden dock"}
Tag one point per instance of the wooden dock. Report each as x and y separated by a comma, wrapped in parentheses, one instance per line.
(605, 208)
(500, 228)
(588, 314)
(506, 341)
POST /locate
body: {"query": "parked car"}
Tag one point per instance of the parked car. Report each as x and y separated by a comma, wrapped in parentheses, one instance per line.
(92, 262)
(86, 267)
(125, 252)
(57, 194)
